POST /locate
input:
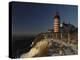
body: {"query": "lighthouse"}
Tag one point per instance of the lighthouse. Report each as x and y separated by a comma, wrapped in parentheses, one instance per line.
(56, 23)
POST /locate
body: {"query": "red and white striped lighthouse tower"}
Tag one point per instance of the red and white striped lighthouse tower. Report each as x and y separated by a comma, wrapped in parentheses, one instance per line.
(56, 24)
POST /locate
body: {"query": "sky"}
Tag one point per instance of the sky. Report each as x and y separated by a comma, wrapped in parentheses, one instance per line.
(33, 18)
